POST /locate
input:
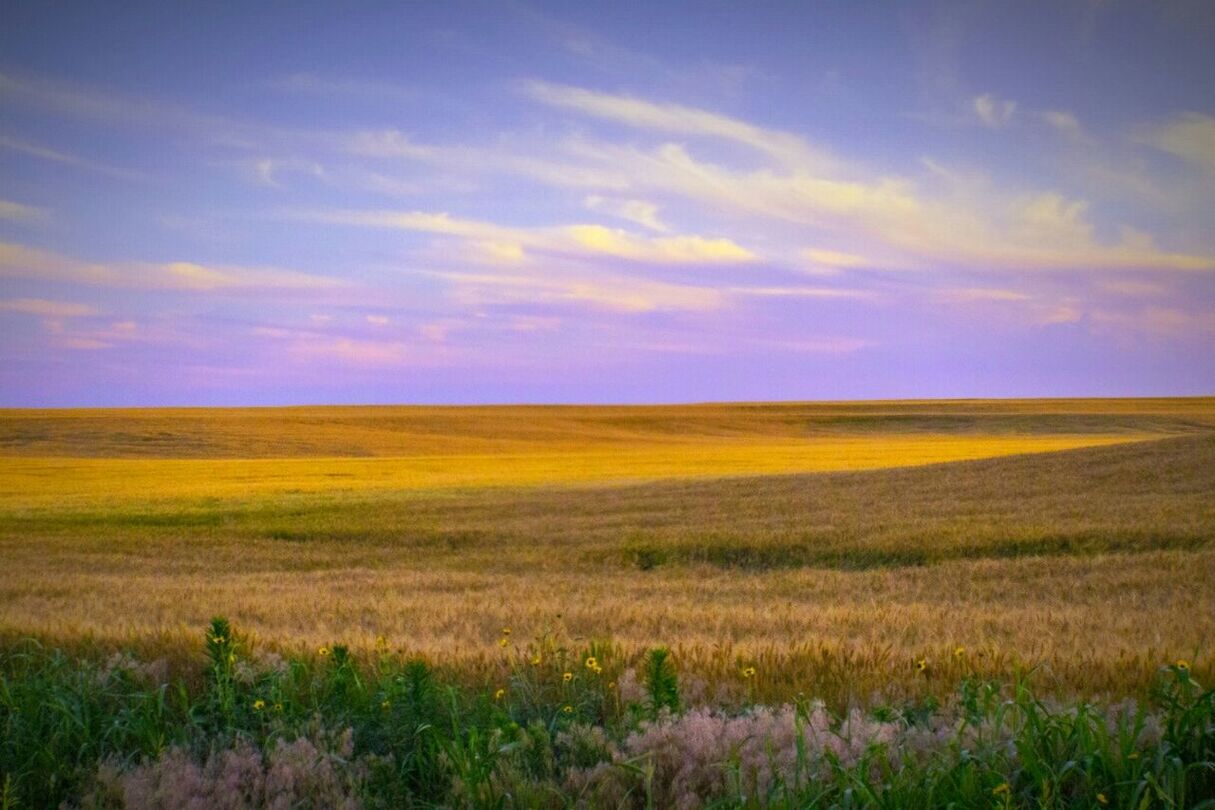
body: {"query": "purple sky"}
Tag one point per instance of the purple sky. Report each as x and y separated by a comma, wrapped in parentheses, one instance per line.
(507, 202)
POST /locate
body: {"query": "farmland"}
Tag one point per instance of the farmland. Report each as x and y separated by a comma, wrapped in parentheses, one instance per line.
(851, 553)
(1066, 532)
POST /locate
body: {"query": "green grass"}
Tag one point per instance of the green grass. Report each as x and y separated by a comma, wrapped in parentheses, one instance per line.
(561, 725)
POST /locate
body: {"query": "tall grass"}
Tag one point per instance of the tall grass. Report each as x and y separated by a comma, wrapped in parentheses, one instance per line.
(565, 725)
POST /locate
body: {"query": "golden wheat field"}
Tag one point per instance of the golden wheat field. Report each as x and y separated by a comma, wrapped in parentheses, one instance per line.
(831, 545)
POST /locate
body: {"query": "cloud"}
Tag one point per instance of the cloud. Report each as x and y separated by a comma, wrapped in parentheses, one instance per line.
(801, 292)
(509, 243)
(661, 250)
(1066, 124)
(678, 119)
(16, 212)
(992, 111)
(612, 293)
(55, 156)
(47, 309)
(834, 259)
(19, 261)
(972, 294)
(640, 212)
(1190, 137)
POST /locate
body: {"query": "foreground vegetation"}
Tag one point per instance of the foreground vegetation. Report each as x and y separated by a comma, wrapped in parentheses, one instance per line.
(565, 725)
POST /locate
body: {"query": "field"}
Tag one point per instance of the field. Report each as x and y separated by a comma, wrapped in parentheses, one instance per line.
(849, 552)
(1071, 533)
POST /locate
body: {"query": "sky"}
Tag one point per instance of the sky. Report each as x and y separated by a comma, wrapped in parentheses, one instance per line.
(297, 203)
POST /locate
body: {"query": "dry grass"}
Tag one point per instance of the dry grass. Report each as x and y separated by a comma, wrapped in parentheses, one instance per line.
(1095, 562)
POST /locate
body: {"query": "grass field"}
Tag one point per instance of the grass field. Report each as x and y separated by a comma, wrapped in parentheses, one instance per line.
(1068, 533)
(867, 554)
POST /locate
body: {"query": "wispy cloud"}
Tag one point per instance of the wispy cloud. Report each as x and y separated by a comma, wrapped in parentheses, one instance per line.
(18, 212)
(510, 242)
(1190, 137)
(20, 261)
(639, 212)
(993, 112)
(56, 156)
(44, 308)
(612, 293)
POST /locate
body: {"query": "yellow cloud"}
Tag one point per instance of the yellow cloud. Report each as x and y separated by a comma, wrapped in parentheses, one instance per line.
(507, 244)
(673, 249)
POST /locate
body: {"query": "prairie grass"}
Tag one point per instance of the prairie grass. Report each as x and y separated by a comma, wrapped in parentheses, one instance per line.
(1089, 565)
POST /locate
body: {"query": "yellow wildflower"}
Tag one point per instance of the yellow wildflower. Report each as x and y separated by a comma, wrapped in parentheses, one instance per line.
(506, 631)
(258, 705)
(748, 672)
(1101, 799)
(959, 652)
(921, 665)
(503, 642)
(385, 705)
(568, 709)
(1183, 664)
(1001, 789)
(278, 707)
(537, 659)
(567, 677)
(323, 651)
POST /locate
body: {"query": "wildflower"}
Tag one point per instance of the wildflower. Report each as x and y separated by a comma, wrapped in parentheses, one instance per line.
(258, 705)
(591, 663)
(385, 705)
(506, 631)
(567, 677)
(959, 652)
(381, 643)
(231, 658)
(1101, 799)
(748, 672)
(537, 660)
(278, 707)
(612, 685)
(503, 642)
(1001, 789)
(218, 639)
(568, 709)
(501, 693)
(921, 665)
(1183, 664)
(323, 652)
